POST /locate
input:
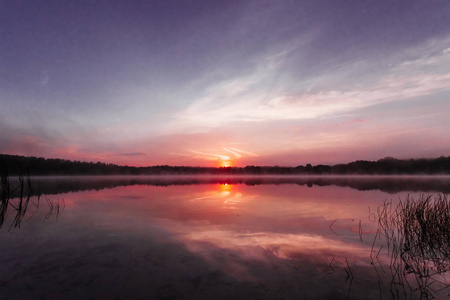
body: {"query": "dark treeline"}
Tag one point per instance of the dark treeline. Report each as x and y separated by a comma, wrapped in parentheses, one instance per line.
(34, 166)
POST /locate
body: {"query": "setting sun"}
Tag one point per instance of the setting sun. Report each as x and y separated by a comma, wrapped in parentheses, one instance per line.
(225, 163)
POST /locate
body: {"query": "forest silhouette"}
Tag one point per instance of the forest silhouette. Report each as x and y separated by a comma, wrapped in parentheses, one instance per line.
(36, 166)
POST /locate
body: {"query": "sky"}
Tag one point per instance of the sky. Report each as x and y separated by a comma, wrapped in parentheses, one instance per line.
(225, 83)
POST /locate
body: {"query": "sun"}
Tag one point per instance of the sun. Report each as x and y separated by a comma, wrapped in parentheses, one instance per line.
(225, 163)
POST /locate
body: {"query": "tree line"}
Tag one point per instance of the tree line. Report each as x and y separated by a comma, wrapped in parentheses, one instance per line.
(34, 166)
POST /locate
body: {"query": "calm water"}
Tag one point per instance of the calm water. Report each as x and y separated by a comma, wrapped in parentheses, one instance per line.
(208, 238)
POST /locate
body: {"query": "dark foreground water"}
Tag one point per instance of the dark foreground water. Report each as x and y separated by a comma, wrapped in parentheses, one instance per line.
(215, 238)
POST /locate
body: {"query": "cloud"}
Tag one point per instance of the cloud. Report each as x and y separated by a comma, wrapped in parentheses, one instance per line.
(216, 154)
(210, 156)
(309, 106)
(236, 155)
(247, 153)
(284, 246)
(246, 98)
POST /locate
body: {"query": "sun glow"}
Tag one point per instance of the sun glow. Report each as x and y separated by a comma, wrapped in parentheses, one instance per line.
(225, 163)
(225, 188)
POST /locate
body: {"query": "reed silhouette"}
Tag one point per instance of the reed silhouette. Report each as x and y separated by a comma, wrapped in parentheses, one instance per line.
(20, 206)
(417, 239)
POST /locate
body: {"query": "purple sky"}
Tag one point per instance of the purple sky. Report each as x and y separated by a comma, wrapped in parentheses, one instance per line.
(225, 82)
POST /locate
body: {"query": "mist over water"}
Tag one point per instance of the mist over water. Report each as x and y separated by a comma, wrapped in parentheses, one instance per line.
(209, 237)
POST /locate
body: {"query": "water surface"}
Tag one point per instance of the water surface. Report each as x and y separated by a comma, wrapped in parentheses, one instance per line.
(207, 238)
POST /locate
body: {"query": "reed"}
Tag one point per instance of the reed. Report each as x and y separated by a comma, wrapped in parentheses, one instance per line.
(417, 234)
(4, 178)
(19, 205)
(5, 192)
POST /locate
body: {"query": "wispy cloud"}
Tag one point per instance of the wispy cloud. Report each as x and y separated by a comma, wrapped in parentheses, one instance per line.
(244, 99)
(240, 152)
(210, 156)
(236, 155)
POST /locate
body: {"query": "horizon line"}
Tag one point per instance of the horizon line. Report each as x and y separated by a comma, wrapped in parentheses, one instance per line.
(231, 167)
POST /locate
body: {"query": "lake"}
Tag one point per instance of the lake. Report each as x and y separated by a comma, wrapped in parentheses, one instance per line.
(209, 237)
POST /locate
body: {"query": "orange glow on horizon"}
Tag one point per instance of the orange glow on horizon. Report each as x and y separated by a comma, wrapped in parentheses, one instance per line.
(225, 163)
